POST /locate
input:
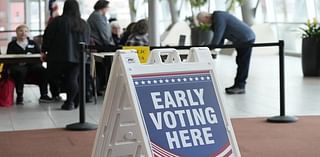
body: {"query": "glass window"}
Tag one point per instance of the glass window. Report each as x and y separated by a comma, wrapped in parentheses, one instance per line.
(286, 17)
(317, 8)
(36, 17)
(290, 10)
(13, 14)
(16, 12)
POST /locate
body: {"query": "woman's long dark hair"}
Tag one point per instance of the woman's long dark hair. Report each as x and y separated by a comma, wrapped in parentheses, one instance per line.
(71, 10)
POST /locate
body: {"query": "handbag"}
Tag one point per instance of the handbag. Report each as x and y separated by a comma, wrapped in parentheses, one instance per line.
(6, 92)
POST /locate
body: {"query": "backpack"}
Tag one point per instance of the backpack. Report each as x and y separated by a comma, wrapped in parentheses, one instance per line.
(6, 89)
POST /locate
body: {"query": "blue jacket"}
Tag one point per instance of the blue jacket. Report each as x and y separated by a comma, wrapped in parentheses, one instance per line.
(226, 26)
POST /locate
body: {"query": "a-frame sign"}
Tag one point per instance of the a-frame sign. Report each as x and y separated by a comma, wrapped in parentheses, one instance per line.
(169, 108)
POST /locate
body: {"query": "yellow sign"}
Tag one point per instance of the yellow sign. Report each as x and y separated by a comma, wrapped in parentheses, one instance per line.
(143, 52)
(1, 68)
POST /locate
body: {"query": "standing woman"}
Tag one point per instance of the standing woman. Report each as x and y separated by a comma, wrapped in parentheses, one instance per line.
(61, 50)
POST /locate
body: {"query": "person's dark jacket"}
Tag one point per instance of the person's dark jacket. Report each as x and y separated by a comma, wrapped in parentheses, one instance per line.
(14, 48)
(62, 43)
(116, 39)
(226, 26)
(100, 30)
(124, 37)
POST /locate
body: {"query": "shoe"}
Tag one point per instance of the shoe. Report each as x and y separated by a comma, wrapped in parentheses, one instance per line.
(45, 99)
(57, 98)
(19, 100)
(235, 90)
(76, 105)
(67, 107)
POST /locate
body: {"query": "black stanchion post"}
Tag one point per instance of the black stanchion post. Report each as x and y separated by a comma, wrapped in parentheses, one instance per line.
(82, 125)
(282, 118)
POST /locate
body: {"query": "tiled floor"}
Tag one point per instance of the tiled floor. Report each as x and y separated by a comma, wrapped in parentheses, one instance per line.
(261, 99)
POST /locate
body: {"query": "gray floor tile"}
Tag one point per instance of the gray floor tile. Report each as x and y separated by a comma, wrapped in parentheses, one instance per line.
(32, 123)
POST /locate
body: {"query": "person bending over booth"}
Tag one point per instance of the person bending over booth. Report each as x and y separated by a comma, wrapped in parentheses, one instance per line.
(19, 72)
(226, 26)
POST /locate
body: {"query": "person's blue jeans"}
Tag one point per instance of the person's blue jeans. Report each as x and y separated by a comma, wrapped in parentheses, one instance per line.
(243, 62)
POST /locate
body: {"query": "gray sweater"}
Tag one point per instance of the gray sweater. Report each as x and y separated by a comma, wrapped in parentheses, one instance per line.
(226, 26)
(100, 29)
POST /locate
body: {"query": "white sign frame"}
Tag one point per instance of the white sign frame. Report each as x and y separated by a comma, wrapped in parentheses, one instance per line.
(134, 138)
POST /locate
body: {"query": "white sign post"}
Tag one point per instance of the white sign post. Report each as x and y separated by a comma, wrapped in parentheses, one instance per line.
(168, 108)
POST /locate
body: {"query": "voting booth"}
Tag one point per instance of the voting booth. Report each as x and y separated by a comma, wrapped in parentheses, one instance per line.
(165, 108)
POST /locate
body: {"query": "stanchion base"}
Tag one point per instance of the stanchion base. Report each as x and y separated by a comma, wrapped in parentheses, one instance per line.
(282, 119)
(81, 126)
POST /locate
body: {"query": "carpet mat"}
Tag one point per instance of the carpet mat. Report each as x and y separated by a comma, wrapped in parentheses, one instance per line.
(256, 138)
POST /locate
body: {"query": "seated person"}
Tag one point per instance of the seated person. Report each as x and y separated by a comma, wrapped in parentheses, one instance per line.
(100, 33)
(19, 71)
(139, 36)
(127, 32)
(116, 32)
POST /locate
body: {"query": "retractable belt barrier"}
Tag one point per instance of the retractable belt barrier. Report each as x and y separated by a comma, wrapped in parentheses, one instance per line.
(282, 118)
(170, 108)
(82, 125)
(211, 47)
